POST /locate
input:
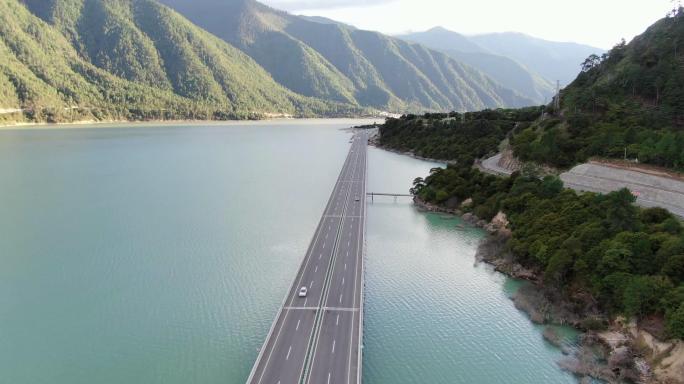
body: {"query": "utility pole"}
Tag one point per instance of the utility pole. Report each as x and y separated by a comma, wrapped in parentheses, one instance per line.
(557, 100)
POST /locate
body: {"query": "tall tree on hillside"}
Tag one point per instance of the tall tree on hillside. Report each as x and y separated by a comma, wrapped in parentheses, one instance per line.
(591, 62)
(677, 9)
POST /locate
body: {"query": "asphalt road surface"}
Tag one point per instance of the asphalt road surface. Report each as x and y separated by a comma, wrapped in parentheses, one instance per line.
(650, 190)
(315, 339)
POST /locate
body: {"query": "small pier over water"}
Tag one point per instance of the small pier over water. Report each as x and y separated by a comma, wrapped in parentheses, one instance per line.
(394, 195)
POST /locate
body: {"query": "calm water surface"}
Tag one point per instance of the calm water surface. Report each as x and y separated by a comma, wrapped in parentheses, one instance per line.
(160, 255)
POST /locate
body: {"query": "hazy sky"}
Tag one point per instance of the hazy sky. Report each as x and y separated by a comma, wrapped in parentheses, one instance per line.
(600, 23)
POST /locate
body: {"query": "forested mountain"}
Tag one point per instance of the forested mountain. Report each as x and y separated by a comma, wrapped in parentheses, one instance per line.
(95, 59)
(552, 60)
(629, 99)
(320, 58)
(504, 70)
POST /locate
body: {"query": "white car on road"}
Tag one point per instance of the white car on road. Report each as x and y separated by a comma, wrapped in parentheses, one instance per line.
(302, 292)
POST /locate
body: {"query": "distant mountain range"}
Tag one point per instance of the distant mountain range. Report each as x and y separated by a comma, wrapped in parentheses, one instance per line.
(528, 65)
(217, 59)
(552, 60)
(321, 58)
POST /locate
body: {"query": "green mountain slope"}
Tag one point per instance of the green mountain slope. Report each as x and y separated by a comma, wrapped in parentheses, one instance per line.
(329, 60)
(503, 70)
(97, 59)
(631, 99)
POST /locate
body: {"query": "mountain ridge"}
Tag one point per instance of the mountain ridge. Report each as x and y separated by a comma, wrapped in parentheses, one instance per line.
(99, 60)
(506, 71)
(227, 59)
(555, 61)
(332, 60)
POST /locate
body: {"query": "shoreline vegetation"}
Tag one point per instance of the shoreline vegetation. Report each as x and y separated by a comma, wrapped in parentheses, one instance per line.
(554, 238)
(614, 350)
(614, 346)
(102, 123)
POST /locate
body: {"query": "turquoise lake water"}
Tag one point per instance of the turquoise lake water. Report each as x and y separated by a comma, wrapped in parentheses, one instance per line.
(160, 254)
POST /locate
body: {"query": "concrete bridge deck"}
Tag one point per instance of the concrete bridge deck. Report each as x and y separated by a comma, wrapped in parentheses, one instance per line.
(317, 338)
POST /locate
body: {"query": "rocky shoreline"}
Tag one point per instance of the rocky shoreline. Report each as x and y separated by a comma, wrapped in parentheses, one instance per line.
(615, 351)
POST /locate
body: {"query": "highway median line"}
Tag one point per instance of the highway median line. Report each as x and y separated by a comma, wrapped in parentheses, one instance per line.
(294, 281)
(311, 348)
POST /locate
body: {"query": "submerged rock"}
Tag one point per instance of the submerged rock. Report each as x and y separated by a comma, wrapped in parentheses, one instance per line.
(551, 335)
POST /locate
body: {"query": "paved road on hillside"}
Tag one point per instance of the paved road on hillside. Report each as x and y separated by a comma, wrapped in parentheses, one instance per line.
(652, 190)
(317, 337)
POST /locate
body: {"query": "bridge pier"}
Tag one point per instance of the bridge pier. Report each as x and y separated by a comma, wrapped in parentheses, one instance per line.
(394, 195)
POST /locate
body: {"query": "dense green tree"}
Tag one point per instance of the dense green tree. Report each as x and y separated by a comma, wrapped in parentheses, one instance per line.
(643, 295)
(673, 268)
(675, 321)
